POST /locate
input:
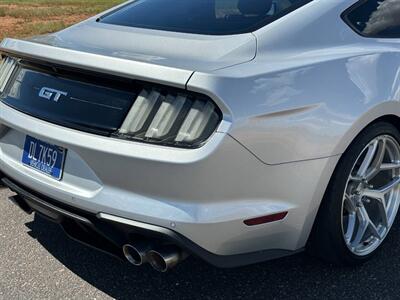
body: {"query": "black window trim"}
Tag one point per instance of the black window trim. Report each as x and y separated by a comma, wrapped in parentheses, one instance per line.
(251, 29)
(345, 18)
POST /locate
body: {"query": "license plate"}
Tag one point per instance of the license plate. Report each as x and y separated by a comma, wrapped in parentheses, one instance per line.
(43, 157)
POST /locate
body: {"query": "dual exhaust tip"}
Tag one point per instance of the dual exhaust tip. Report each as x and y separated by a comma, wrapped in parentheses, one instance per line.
(161, 259)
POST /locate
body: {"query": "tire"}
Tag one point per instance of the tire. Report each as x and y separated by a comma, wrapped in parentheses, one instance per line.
(331, 237)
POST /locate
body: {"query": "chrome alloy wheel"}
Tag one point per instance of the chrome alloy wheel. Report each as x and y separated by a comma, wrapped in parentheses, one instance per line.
(372, 195)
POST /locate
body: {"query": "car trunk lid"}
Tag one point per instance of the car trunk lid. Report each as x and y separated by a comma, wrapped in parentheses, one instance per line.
(192, 52)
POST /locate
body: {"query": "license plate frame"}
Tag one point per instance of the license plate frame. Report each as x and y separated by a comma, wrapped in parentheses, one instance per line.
(45, 158)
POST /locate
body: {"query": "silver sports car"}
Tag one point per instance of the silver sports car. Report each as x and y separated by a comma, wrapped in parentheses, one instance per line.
(233, 130)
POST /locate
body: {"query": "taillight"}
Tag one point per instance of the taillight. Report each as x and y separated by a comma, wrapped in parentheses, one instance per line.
(7, 67)
(171, 117)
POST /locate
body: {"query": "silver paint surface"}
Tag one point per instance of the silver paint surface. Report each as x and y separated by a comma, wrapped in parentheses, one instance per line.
(294, 95)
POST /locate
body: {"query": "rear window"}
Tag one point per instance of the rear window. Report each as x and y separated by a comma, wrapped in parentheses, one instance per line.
(214, 17)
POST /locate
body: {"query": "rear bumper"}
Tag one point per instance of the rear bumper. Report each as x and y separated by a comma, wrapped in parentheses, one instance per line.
(109, 233)
(204, 194)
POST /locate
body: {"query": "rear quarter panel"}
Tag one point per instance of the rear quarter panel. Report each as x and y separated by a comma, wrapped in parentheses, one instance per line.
(314, 85)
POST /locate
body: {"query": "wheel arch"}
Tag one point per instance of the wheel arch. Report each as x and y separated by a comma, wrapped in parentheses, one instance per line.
(345, 159)
(387, 111)
(390, 114)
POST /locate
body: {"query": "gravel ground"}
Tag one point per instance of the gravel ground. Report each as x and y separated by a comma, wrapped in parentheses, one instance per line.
(39, 262)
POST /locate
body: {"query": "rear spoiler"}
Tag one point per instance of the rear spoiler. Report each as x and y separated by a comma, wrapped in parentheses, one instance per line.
(97, 63)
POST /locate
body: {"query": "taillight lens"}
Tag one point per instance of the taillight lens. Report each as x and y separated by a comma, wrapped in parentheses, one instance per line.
(174, 118)
(7, 67)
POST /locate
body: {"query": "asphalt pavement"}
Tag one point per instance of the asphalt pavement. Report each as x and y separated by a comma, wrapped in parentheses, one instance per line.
(37, 261)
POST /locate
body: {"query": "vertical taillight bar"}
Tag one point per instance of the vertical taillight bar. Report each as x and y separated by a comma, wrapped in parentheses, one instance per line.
(7, 68)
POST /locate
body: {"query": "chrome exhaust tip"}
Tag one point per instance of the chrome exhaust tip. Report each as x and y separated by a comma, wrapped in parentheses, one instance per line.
(136, 254)
(165, 258)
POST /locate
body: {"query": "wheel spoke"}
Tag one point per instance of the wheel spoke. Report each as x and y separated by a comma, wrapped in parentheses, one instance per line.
(351, 217)
(376, 165)
(383, 211)
(374, 230)
(381, 192)
(365, 224)
(362, 171)
(390, 166)
(351, 223)
(351, 206)
(373, 194)
(363, 220)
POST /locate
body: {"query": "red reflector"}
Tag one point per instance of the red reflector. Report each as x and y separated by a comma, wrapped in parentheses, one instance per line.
(266, 219)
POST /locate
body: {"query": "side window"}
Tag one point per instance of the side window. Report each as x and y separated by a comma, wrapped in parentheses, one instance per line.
(375, 18)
